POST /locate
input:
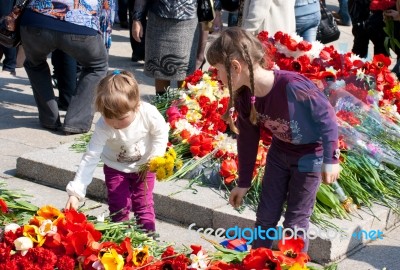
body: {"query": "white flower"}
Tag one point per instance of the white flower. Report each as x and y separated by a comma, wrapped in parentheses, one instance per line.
(47, 227)
(199, 261)
(23, 244)
(101, 217)
(183, 124)
(13, 227)
(225, 143)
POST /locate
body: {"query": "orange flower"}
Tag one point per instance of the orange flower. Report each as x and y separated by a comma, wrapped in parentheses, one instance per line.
(47, 212)
(290, 251)
(228, 170)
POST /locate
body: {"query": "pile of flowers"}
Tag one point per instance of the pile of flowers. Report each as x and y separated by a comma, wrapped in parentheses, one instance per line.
(69, 240)
(365, 95)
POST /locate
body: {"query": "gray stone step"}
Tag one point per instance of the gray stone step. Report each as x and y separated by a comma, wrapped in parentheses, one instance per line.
(206, 208)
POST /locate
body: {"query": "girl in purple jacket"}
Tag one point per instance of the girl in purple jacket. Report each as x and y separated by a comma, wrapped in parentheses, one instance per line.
(303, 124)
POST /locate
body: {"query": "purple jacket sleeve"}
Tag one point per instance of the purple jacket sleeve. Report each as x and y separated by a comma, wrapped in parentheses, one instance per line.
(247, 142)
(324, 116)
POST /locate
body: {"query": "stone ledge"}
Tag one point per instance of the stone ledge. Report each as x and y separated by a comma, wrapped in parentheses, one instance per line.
(206, 208)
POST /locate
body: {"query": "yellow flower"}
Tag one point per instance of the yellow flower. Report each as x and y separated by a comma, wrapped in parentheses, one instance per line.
(178, 163)
(396, 88)
(297, 266)
(155, 163)
(169, 166)
(140, 256)
(172, 152)
(193, 116)
(32, 232)
(161, 173)
(111, 260)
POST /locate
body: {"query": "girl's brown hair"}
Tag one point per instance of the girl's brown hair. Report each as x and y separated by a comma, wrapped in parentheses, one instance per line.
(235, 43)
(117, 94)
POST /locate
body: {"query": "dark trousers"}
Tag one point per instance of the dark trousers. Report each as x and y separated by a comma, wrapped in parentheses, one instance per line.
(89, 51)
(370, 29)
(10, 54)
(137, 47)
(123, 10)
(128, 192)
(291, 179)
(65, 71)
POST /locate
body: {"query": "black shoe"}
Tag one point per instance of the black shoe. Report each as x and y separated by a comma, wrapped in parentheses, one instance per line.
(68, 131)
(336, 15)
(340, 22)
(135, 58)
(55, 127)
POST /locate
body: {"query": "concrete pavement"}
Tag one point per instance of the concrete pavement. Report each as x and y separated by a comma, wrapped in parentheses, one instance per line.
(22, 136)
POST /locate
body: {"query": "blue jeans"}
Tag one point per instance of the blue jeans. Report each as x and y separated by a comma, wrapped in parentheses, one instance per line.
(89, 51)
(307, 26)
(344, 11)
(10, 54)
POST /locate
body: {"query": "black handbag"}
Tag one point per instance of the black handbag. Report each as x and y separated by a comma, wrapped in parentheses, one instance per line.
(9, 26)
(205, 10)
(328, 29)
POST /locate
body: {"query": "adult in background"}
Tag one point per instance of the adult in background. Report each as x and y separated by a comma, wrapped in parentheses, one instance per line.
(342, 17)
(172, 37)
(10, 54)
(269, 15)
(367, 26)
(138, 48)
(308, 17)
(65, 76)
(394, 14)
(73, 27)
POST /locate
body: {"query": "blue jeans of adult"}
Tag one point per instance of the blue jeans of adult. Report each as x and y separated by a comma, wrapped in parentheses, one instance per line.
(89, 51)
(10, 54)
(307, 26)
(293, 179)
(344, 11)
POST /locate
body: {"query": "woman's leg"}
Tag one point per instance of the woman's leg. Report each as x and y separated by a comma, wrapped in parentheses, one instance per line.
(161, 86)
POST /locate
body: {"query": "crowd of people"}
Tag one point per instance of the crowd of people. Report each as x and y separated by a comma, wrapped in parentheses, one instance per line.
(168, 38)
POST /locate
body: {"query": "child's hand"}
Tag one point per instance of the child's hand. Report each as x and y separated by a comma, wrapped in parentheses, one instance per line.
(236, 197)
(330, 173)
(72, 203)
